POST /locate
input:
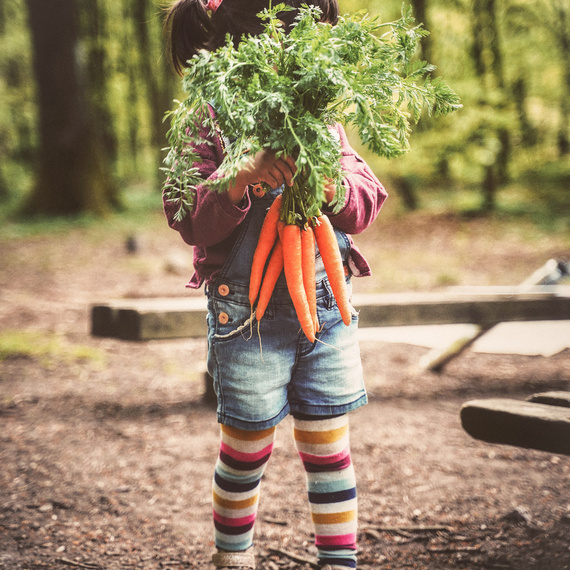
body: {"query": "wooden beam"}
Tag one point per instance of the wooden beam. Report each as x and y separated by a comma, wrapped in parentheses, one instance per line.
(150, 319)
(552, 398)
(451, 308)
(146, 319)
(520, 423)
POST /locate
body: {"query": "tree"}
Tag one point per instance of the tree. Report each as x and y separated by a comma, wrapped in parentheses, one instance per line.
(420, 13)
(560, 22)
(97, 72)
(488, 62)
(73, 174)
(159, 76)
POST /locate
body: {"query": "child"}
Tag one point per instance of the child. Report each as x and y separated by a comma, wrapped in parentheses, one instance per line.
(317, 383)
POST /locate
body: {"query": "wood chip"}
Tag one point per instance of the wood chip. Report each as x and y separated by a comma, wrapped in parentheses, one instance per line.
(78, 564)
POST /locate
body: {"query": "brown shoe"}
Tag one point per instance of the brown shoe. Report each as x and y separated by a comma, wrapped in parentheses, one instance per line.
(244, 560)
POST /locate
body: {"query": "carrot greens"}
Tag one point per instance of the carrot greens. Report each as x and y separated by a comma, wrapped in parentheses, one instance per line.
(285, 89)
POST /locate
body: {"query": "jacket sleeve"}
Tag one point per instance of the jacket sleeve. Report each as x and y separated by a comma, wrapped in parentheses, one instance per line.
(213, 217)
(364, 192)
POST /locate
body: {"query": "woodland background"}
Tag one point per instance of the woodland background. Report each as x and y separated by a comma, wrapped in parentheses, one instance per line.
(85, 84)
(107, 447)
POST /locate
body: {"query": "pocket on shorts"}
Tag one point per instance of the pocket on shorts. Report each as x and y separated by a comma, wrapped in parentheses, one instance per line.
(230, 320)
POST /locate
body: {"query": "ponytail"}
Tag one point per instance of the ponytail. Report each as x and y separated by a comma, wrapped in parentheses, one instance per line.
(189, 30)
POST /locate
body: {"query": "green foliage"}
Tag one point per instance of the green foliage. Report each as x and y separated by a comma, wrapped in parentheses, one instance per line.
(17, 109)
(111, 62)
(450, 153)
(283, 91)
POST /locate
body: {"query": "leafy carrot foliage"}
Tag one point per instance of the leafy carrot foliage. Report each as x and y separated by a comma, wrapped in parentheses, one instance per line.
(283, 90)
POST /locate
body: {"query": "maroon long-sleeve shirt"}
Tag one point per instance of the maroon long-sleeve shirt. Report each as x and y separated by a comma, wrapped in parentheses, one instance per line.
(214, 222)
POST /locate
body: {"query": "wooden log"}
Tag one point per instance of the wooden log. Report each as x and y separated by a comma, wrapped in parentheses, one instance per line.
(436, 359)
(150, 319)
(146, 319)
(104, 320)
(449, 308)
(552, 399)
(519, 423)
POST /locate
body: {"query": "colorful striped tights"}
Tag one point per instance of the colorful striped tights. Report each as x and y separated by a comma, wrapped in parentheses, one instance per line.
(323, 445)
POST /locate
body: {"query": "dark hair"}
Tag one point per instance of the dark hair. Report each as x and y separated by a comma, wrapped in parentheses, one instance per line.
(192, 27)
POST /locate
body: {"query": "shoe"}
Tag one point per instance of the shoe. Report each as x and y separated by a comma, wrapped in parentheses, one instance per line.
(244, 560)
(329, 567)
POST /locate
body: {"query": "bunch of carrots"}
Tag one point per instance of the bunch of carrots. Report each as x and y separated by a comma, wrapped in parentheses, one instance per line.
(282, 90)
(291, 247)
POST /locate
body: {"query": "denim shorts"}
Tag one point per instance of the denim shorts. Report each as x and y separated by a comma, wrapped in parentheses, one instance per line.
(265, 370)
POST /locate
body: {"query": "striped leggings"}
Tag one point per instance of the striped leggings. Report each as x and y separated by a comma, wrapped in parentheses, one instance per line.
(323, 445)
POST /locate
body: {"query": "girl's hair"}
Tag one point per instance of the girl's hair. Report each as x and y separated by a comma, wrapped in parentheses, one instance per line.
(192, 27)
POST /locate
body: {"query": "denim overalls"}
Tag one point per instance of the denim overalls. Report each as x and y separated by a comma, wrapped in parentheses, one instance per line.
(264, 370)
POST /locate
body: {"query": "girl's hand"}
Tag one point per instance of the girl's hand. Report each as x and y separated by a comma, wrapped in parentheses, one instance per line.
(263, 167)
(330, 191)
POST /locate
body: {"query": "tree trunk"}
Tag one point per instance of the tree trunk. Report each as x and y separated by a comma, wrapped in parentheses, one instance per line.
(4, 190)
(489, 190)
(73, 173)
(486, 47)
(496, 64)
(407, 193)
(157, 77)
(488, 62)
(562, 28)
(420, 14)
(2, 18)
(96, 34)
(528, 132)
(478, 41)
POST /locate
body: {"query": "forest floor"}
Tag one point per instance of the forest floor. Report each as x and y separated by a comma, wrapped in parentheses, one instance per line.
(107, 447)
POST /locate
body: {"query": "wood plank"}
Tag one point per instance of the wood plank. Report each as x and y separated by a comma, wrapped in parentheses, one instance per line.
(552, 398)
(145, 319)
(450, 308)
(519, 423)
(150, 319)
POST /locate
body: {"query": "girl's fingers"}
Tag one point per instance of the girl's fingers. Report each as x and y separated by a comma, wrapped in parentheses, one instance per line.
(284, 170)
(274, 172)
(274, 177)
(288, 169)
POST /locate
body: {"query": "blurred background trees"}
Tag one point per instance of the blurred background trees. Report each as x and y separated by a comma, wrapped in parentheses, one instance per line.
(509, 60)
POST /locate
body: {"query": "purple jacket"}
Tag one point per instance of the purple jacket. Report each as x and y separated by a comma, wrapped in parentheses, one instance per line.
(214, 223)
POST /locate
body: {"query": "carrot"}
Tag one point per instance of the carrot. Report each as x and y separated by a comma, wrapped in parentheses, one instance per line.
(265, 242)
(308, 262)
(292, 261)
(272, 273)
(280, 227)
(330, 254)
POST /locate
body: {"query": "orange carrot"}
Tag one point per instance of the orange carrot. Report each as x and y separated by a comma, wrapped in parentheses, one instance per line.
(265, 243)
(292, 261)
(330, 254)
(272, 273)
(308, 261)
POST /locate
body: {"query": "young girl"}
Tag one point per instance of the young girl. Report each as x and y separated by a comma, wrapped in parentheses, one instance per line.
(317, 383)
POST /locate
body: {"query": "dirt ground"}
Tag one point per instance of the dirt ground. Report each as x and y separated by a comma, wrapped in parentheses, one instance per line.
(107, 447)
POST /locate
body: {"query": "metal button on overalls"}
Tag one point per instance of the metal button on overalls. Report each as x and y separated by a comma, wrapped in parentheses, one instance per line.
(224, 290)
(258, 190)
(223, 318)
